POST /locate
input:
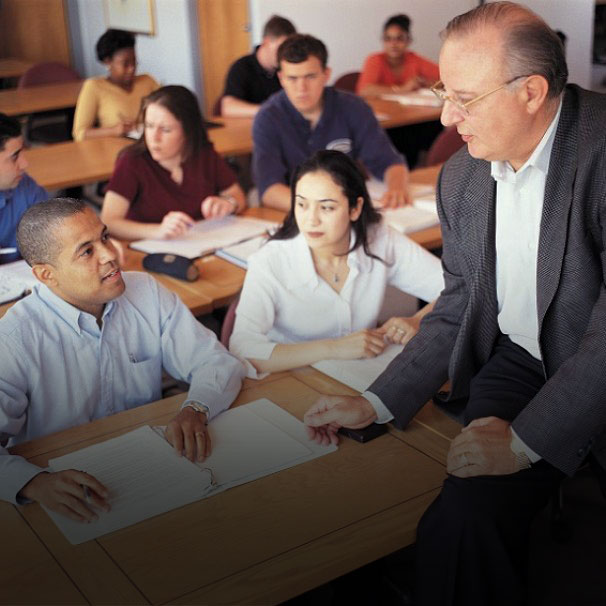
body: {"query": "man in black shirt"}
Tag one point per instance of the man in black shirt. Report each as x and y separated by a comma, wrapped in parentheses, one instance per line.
(252, 79)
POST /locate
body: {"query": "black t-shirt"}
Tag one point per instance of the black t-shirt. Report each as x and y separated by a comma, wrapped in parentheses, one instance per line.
(247, 80)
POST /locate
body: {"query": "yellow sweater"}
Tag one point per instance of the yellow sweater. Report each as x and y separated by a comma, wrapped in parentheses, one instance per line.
(102, 103)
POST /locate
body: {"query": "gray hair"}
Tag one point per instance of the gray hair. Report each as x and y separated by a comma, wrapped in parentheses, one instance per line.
(530, 46)
(36, 233)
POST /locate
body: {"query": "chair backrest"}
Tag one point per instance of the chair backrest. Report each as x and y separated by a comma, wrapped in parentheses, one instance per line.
(445, 145)
(50, 72)
(347, 82)
(228, 322)
(217, 106)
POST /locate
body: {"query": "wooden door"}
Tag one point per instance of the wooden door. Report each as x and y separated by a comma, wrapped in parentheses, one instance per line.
(224, 35)
(35, 30)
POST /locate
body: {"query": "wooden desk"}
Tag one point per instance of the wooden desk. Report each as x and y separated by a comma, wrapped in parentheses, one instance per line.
(402, 115)
(262, 542)
(220, 281)
(22, 101)
(10, 67)
(80, 162)
(74, 163)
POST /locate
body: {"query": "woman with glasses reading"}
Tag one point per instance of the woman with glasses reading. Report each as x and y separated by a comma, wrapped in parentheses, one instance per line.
(314, 292)
(396, 69)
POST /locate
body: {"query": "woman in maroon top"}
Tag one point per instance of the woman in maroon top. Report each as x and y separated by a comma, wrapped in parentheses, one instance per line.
(172, 176)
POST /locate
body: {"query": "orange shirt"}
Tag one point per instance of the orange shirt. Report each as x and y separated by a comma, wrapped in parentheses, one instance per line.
(376, 70)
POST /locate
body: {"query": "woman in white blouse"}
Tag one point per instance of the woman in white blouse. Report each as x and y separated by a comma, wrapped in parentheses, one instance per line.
(315, 291)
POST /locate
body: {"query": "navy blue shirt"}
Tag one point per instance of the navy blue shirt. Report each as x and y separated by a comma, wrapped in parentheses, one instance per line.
(13, 203)
(283, 138)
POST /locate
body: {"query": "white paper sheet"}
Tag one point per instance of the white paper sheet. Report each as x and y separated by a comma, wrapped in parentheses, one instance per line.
(423, 96)
(15, 279)
(207, 236)
(359, 374)
(146, 478)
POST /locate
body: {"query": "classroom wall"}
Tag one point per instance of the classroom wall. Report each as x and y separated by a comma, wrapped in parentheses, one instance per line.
(575, 19)
(171, 55)
(351, 29)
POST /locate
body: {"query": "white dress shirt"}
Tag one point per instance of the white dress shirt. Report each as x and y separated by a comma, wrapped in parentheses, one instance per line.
(58, 369)
(519, 206)
(284, 300)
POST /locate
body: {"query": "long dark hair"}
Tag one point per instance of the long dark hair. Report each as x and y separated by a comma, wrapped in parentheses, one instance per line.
(346, 174)
(183, 105)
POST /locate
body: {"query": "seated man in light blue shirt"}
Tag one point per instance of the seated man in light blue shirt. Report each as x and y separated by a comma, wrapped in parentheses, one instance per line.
(18, 191)
(90, 342)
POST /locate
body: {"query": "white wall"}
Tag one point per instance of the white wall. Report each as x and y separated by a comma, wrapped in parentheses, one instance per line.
(171, 55)
(352, 29)
(575, 19)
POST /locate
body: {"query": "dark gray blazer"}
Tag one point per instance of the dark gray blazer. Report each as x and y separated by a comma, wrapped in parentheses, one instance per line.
(567, 417)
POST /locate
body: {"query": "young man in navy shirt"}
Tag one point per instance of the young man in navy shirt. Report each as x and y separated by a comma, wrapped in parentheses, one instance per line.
(307, 116)
(18, 191)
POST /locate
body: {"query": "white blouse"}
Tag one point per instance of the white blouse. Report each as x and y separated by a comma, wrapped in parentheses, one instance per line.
(283, 299)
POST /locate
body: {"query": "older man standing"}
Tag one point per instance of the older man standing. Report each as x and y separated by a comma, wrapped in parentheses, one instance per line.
(520, 328)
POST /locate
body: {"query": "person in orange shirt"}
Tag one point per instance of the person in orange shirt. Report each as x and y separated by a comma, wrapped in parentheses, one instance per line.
(396, 69)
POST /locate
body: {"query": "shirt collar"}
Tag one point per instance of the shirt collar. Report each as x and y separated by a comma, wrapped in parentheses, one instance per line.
(303, 272)
(502, 171)
(71, 315)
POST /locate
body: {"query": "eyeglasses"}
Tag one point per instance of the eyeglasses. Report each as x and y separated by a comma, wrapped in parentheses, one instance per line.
(439, 91)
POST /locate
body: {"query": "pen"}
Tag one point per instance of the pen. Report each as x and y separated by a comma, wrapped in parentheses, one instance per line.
(7, 251)
(86, 493)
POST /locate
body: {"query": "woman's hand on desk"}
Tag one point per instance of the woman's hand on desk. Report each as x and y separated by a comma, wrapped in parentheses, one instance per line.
(71, 493)
(365, 343)
(329, 413)
(400, 330)
(174, 224)
(215, 207)
(188, 434)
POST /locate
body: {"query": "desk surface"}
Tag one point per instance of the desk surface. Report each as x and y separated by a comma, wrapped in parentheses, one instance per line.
(397, 114)
(262, 542)
(21, 101)
(10, 67)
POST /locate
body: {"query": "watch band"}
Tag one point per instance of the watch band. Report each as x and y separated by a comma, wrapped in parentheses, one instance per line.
(198, 407)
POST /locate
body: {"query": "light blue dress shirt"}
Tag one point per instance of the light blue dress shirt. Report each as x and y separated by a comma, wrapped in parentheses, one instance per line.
(59, 369)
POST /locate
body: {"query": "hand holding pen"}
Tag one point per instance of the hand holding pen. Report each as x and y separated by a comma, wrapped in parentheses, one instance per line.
(174, 224)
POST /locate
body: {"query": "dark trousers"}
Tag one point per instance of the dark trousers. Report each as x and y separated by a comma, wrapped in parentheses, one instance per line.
(472, 542)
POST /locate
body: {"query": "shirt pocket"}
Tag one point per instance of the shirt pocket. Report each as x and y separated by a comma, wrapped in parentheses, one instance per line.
(143, 380)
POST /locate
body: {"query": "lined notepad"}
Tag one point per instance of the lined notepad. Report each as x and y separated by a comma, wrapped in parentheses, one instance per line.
(146, 478)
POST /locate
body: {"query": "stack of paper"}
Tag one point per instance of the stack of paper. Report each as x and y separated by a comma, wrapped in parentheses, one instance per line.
(407, 219)
(207, 236)
(238, 253)
(359, 374)
(15, 280)
(423, 96)
(146, 478)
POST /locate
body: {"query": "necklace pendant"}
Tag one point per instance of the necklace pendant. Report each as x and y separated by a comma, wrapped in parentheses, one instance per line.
(335, 278)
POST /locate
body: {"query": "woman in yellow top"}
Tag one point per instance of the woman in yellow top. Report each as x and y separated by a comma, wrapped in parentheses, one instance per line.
(108, 106)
